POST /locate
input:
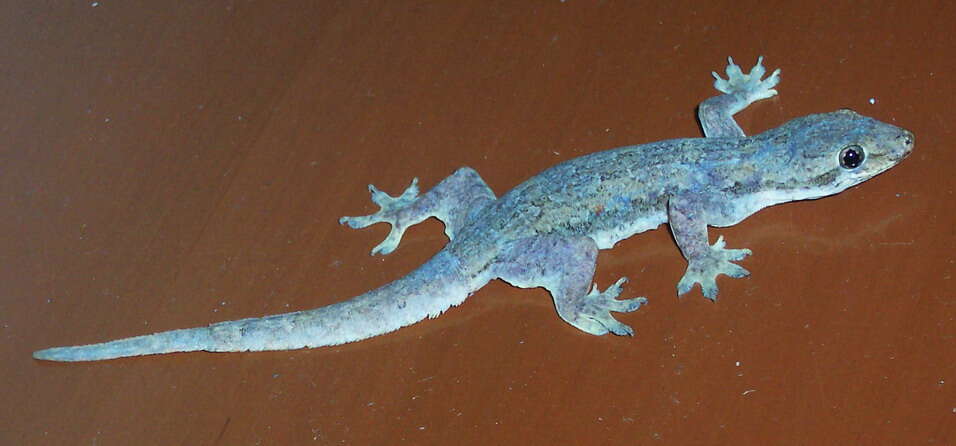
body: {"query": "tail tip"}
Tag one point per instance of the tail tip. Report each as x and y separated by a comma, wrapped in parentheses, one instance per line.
(48, 354)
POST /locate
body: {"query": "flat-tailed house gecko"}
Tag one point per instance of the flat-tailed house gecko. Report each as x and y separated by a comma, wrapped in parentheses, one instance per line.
(547, 231)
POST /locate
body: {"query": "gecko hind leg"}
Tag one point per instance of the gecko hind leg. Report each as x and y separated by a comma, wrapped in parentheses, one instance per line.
(565, 267)
(453, 201)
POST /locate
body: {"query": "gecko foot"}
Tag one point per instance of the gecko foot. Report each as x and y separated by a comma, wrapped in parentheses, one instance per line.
(592, 314)
(750, 85)
(390, 212)
(704, 270)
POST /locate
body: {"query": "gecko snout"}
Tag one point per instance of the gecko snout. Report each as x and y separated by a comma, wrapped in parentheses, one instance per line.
(907, 139)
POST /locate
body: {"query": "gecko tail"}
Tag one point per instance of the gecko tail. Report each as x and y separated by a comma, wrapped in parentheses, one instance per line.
(185, 340)
(434, 287)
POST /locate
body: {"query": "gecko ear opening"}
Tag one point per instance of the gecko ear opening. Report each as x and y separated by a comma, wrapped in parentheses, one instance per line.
(852, 156)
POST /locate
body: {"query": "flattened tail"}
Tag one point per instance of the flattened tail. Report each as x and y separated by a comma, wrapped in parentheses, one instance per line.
(426, 292)
(185, 340)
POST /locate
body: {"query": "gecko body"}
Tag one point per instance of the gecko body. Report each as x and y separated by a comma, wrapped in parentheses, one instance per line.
(546, 232)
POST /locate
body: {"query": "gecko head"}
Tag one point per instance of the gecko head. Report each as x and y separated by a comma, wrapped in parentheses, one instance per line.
(831, 152)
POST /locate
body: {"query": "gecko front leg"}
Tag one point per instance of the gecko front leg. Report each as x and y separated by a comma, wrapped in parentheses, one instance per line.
(565, 267)
(688, 222)
(716, 114)
(453, 201)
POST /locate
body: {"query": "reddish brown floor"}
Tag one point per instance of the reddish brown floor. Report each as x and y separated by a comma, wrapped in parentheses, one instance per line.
(165, 165)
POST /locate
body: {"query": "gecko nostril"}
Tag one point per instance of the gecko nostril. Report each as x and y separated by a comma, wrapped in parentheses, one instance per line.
(907, 139)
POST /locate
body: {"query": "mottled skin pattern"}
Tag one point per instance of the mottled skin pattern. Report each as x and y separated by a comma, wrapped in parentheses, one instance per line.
(546, 232)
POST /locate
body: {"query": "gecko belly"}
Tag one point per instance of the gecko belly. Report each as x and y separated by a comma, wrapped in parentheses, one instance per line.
(607, 238)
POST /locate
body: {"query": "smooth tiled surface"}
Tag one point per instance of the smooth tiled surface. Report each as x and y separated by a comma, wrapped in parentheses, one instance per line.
(167, 166)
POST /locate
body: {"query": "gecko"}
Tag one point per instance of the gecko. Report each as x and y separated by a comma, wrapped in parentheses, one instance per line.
(547, 231)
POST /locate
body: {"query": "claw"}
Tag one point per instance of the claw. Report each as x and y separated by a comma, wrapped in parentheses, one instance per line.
(757, 71)
(388, 245)
(378, 197)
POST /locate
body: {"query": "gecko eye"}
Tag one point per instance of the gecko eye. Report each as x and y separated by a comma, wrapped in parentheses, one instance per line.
(852, 156)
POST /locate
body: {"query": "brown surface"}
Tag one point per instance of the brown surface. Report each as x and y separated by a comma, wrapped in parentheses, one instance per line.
(170, 166)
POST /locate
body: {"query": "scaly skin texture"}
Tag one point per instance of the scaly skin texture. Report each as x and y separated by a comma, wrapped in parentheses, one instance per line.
(546, 232)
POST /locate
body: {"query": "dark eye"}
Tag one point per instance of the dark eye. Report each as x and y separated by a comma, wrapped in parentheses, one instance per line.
(851, 157)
